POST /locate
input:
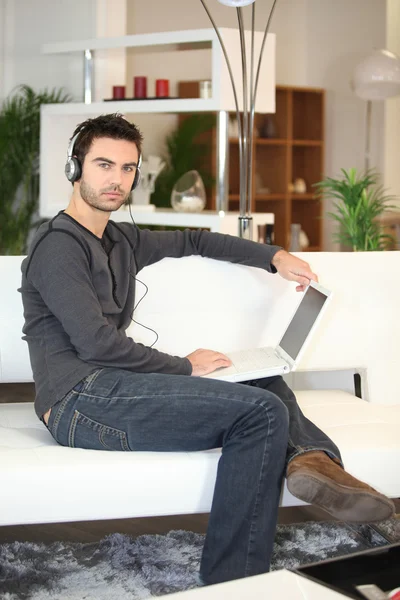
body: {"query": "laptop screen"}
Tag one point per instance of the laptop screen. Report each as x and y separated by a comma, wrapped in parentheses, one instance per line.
(302, 322)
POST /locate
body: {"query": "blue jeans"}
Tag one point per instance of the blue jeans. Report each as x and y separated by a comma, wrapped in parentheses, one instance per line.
(304, 436)
(114, 409)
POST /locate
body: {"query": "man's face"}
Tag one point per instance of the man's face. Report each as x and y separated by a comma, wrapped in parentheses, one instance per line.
(108, 172)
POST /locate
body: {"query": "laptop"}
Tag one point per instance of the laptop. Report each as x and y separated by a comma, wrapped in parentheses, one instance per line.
(256, 363)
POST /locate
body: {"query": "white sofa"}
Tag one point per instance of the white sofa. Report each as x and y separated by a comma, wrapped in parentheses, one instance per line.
(196, 302)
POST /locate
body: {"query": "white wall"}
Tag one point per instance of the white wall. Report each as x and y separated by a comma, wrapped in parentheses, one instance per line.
(392, 108)
(319, 42)
(339, 35)
(27, 25)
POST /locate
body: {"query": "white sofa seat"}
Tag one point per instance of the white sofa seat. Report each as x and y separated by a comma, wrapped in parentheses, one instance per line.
(136, 484)
(197, 302)
(43, 482)
(367, 434)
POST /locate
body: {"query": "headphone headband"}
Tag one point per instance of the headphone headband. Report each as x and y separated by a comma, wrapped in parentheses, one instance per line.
(72, 144)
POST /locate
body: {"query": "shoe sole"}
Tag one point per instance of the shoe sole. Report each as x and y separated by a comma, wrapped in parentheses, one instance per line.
(342, 502)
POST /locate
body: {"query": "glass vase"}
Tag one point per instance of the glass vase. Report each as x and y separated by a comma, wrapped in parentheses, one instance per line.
(188, 193)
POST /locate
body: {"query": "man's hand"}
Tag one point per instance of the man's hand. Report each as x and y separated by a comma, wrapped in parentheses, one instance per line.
(206, 361)
(293, 269)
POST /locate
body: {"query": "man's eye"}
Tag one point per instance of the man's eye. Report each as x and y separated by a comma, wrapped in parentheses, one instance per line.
(128, 169)
(104, 165)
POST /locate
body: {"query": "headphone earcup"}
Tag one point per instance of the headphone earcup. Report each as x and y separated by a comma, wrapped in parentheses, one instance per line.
(136, 180)
(73, 169)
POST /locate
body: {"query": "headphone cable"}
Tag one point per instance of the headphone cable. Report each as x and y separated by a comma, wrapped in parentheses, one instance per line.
(147, 289)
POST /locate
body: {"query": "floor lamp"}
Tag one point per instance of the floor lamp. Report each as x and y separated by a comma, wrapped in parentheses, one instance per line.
(377, 77)
(246, 127)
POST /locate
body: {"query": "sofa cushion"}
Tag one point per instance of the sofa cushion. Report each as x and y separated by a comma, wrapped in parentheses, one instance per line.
(45, 482)
(367, 434)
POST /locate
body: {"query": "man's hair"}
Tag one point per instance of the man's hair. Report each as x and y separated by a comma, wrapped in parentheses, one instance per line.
(112, 126)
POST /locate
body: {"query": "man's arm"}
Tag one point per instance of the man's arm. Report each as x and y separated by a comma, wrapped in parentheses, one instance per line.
(152, 246)
(60, 271)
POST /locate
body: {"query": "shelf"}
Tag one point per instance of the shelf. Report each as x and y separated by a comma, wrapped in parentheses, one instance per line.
(271, 142)
(260, 197)
(166, 38)
(280, 142)
(272, 197)
(304, 197)
(167, 105)
(307, 142)
(224, 222)
(182, 41)
(263, 141)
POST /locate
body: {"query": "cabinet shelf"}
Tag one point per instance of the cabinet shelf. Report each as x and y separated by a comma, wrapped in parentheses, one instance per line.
(307, 142)
(263, 141)
(300, 197)
(272, 197)
(261, 197)
(297, 151)
(271, 142)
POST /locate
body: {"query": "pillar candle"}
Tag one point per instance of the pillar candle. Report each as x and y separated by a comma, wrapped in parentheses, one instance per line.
(140, 87)
(162, 88)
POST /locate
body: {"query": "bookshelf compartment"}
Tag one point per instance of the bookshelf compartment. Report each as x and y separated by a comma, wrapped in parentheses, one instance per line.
(308, 115)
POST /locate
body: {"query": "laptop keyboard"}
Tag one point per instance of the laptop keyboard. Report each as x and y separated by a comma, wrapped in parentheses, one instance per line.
(253, 359)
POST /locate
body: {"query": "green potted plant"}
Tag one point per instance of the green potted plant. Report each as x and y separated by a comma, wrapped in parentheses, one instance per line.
(19, 164)
(186, 150)
(359, 201)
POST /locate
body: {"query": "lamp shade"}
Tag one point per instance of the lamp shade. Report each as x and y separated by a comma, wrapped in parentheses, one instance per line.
(377, 77)
(236, 3)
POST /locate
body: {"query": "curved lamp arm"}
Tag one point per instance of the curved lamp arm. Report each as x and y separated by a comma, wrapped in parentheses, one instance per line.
(245, 129)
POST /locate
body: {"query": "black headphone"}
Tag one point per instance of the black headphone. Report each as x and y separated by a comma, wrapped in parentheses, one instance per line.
(73, 167)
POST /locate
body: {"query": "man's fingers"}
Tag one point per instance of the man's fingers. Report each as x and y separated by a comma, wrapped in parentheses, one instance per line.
(222, 360)
(205, 361)
(312, 276)
(303, 281)
(306, 272)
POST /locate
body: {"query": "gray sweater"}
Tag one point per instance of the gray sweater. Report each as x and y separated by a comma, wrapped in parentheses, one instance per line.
(78, 293)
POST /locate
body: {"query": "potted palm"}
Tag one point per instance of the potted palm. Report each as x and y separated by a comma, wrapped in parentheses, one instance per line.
(186, 149)
(359, 201)
(19, 164)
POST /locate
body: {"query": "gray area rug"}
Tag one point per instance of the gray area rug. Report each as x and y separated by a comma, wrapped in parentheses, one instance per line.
(121, 567)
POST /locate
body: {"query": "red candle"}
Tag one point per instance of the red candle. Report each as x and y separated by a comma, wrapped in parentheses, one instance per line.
(118, 91)
(140, 87)
(162, 88)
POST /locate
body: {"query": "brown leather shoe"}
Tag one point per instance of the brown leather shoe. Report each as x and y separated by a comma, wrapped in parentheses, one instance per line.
(317, 479)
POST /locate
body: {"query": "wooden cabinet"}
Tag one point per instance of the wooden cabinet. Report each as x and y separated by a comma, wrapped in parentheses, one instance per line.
(295, 152)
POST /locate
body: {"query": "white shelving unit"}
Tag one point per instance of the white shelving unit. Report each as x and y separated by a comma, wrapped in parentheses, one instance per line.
(59, 120)
(188, 40)
(220, 222)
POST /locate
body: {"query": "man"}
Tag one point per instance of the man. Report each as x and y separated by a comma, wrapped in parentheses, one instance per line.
(96, 388)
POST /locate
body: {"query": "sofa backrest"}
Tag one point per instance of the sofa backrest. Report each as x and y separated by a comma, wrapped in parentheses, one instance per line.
(14, 356)
(197, 302)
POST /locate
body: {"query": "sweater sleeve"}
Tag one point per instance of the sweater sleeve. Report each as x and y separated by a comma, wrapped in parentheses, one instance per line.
(152, 246)
(59, 270)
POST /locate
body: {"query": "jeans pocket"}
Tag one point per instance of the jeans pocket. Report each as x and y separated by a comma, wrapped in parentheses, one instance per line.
(89, 434)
